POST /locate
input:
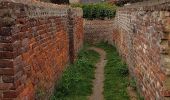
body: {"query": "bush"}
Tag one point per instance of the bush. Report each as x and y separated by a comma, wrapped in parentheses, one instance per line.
(97, 11)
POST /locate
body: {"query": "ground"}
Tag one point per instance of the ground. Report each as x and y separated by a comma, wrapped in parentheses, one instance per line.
(98, 74)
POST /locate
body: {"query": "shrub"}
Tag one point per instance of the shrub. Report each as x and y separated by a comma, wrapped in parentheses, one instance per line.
(97, 11)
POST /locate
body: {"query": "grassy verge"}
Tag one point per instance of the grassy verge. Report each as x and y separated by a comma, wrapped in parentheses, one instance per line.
(116, 75)
(76, 81)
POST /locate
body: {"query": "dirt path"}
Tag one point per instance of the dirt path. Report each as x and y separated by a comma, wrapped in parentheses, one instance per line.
(99, 76)
(132, 93)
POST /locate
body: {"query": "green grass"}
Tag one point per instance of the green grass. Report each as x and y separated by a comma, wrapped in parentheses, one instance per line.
(116, 75)
(76, 81)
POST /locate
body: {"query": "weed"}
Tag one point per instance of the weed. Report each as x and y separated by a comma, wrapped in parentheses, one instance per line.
(116, 75)
(133, 84)
(76, 81)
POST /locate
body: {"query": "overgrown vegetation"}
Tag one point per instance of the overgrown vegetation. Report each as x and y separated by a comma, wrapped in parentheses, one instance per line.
(116, 75)
(97, 11)
(133, 85)
(76, 81)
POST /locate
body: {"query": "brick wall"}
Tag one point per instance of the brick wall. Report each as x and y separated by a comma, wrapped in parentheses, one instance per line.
(75, 30)
(34, 47)
(78, 32)
(98, 30)
(141, 34)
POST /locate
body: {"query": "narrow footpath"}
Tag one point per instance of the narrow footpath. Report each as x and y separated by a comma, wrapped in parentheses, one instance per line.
(98, 82)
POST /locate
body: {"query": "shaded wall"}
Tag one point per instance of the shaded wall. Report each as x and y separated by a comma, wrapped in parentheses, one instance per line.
(35, 45)
(96, 31)
(141, 34)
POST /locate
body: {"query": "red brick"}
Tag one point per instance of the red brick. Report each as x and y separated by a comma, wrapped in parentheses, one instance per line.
(35, 49)
(8, 79)
(10, 94)
(6, 39)
(7, 55)
(5, 31)
(5, 86)
(136, 39)
(7, 99)
(6, 47)
(6, 63)
(166, 93)
(6, 71)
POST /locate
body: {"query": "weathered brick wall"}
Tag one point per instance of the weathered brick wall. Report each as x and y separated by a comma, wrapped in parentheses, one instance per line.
(78, 32)
(76, 36)
(34, 47)
(141, 34)
(98, 30)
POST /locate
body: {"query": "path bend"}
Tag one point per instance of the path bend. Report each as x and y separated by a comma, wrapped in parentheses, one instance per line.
(98, 82)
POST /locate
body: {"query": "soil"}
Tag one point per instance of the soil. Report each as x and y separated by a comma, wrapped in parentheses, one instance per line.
(132, 93)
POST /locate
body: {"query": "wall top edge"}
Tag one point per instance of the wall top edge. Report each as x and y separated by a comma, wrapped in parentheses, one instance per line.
(37, 9)
(150, 5)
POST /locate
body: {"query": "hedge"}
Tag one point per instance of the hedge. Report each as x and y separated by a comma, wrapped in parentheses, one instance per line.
(97, 11)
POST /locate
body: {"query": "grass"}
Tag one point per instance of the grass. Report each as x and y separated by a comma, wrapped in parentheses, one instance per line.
(116, 75)
(134, 86)
(76, 81)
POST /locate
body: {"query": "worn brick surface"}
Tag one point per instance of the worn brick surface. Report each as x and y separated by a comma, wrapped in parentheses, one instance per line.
(98, 30)
(34, 47)
(76, 33)
(141, 34)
